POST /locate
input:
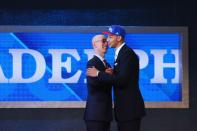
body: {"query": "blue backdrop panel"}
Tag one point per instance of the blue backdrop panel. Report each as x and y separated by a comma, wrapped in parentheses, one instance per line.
(80, 43)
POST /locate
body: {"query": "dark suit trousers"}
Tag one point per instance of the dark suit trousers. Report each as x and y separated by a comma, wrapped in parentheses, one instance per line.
(133, 125)
(97, 126)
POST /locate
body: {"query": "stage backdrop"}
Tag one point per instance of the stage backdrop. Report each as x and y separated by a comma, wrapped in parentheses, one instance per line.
(45, 66)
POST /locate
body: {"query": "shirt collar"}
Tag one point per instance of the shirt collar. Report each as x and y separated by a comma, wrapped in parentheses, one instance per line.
(118, 49)
(101, 58)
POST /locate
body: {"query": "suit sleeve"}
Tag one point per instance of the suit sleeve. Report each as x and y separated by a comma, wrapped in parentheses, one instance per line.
(94, 81)
(91, 80)
(128, 68)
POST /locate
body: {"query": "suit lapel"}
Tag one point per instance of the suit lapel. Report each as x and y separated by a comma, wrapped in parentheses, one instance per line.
(99, 62)
(121, 52)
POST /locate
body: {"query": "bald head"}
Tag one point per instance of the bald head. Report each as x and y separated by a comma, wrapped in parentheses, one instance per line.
(97, 37)
(99, 44)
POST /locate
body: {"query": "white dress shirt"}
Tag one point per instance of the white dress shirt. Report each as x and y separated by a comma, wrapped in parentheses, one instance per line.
(117, 51)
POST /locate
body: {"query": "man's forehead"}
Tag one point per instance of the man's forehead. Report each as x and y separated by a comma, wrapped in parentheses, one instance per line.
(111, 35)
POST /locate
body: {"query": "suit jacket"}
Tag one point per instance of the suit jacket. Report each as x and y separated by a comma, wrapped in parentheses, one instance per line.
(99, 99)
(128, 100)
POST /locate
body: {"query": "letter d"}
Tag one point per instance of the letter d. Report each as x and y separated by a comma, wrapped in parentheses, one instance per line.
(17, 65)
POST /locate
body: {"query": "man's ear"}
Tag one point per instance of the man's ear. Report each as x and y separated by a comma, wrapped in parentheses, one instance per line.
(94, 44)
(119, 38)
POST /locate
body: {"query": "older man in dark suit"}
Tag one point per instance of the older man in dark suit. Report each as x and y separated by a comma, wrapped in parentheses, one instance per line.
(129, 104)
(98, 111)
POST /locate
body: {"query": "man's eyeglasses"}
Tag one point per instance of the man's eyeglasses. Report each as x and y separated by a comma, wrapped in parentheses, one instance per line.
(103, 40)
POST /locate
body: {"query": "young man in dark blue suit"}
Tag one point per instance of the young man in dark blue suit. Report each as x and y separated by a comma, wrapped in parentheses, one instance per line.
(98, 111)
(129, 105)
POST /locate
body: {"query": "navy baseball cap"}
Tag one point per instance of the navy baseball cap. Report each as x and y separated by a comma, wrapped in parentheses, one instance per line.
(116, 30)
